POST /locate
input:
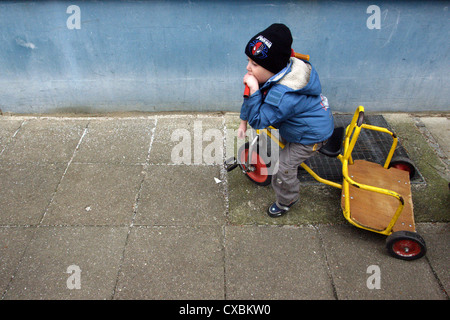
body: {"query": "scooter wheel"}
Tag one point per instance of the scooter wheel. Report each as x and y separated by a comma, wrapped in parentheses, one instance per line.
(260, 175)
(406, 245)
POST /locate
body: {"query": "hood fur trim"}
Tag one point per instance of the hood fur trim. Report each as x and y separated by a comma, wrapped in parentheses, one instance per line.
(299, 76)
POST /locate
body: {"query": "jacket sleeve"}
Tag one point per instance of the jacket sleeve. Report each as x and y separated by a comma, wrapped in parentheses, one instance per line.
(261, 113)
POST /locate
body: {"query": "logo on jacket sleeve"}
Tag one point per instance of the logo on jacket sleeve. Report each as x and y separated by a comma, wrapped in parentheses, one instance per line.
(324, 102)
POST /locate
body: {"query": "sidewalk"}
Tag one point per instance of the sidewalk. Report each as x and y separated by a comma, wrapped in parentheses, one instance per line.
(96, 208)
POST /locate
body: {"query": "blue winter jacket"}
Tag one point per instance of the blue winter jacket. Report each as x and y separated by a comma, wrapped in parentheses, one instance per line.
(292, 102)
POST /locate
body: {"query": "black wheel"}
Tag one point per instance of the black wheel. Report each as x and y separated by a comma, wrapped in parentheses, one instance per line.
(406, 245)
(404, 164)
(260, 165)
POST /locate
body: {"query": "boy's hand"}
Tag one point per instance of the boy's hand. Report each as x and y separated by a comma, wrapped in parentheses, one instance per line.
(242, 129)
(251, 82)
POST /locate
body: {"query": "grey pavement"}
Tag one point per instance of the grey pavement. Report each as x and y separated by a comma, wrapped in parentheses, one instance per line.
(138, 206)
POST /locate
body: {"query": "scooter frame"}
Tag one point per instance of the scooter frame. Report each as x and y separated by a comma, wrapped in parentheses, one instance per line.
(402, 244)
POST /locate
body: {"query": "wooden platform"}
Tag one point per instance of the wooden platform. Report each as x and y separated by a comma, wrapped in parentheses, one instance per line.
(375, 210)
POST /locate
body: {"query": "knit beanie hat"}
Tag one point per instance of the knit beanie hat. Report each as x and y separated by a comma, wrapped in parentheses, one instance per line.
(271, 48)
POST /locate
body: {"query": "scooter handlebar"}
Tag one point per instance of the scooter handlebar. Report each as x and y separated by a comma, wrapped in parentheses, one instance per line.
(246, 91)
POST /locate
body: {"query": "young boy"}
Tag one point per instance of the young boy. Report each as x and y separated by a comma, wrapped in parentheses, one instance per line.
(285, 93)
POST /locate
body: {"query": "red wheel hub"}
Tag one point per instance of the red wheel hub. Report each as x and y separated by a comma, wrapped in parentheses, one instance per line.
(406, 248)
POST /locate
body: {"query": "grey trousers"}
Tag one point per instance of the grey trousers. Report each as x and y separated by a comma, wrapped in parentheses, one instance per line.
(285, 182)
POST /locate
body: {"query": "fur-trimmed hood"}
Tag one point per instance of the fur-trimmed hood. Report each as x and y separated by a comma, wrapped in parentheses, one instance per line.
(299, 75)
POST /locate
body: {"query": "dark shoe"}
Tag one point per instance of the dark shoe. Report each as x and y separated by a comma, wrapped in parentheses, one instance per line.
(277, 209)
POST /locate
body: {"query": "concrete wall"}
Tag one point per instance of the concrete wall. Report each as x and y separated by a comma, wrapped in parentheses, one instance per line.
(188, 55)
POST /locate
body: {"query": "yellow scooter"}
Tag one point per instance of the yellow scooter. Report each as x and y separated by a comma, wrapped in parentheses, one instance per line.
(374, 197)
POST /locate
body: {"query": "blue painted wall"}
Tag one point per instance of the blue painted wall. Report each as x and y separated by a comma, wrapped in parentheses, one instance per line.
(188, 55)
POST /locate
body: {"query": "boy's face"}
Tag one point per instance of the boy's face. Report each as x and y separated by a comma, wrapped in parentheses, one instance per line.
(261, 74)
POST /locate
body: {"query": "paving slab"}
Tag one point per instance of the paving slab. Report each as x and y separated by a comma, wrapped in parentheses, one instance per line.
(111, 140)
(173, 263)
(44, 141)
(269, 262)
(48, 267)
(440, 130)
(436, 131)
(13, 242)
(356, 257)
(248, 203)
(181, 195)
(96, 194)
(437, 238)
(26, 190)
